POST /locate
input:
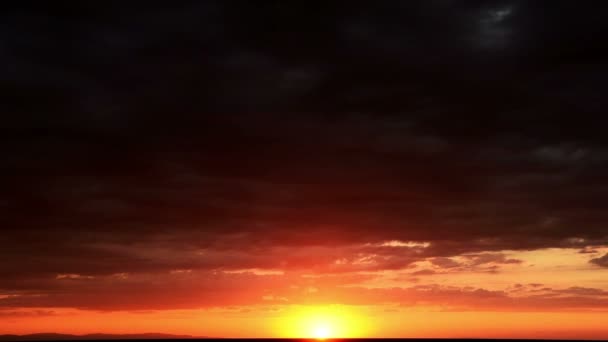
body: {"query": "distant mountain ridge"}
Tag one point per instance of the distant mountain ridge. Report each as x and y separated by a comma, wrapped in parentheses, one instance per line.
(69, 337)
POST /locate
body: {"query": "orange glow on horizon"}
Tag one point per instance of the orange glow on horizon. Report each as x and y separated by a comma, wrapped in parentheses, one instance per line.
(299, 322)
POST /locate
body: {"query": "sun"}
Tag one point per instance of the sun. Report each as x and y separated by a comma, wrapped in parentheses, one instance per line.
(321, 331)
(322, 323)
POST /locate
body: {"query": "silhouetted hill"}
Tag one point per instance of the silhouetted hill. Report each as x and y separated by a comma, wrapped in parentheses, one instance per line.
(67, 337)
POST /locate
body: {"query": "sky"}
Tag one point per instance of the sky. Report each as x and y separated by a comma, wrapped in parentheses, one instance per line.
(294, 168)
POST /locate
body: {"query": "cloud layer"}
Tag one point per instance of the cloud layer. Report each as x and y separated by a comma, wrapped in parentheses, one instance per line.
(216, 136)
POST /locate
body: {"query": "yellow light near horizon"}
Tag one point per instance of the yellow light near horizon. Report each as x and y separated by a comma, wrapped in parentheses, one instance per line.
(321, 332)
(321, 323)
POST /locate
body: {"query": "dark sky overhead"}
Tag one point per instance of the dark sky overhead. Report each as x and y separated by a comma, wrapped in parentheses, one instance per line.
(161, 155)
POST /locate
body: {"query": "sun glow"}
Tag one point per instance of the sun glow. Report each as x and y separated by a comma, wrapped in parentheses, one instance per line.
(321, 332)
(322, 323)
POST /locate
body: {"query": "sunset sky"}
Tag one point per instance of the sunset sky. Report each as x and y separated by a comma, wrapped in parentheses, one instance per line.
(374, 168)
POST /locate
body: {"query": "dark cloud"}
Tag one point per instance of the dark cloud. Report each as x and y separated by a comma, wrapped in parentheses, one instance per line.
(493, 258)
(424, 272)
(588, 250)
(584, 291)
(225, 135)
(601, 261)
(445, 262)
(203, 290)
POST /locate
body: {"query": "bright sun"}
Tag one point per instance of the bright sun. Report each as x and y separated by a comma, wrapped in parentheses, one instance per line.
(321, 323)
(321, 331)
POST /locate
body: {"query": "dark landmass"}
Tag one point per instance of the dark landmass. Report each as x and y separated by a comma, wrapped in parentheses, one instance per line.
(94, 337)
